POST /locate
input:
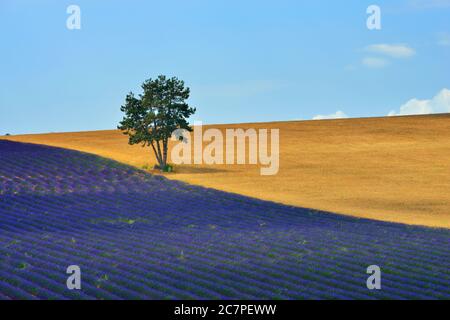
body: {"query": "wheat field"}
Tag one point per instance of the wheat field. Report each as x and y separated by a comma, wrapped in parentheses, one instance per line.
(394, 169)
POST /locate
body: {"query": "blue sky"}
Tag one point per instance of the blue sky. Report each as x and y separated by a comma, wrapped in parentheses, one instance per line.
(244, 61)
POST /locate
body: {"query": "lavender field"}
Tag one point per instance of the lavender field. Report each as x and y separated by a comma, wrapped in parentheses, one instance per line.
(139, 236)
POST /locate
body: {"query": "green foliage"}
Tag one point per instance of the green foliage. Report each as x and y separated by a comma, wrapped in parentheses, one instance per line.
(168, 168)
(151, 117)
(22, 265)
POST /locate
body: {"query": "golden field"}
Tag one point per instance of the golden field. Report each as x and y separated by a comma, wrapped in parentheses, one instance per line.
(394, 169)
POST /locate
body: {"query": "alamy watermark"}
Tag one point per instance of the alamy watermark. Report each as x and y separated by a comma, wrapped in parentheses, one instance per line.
(374, 280)
(230, 149)
(74, 280)
(374, 20)
(73, 21)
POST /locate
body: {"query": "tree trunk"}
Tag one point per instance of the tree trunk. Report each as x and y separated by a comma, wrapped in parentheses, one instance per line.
(160, 156)
(157, 154)
(165, 152)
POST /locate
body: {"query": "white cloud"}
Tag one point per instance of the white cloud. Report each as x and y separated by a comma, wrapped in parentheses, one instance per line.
(438, 104)
(337, 115)
(392, 50)
(372, 62)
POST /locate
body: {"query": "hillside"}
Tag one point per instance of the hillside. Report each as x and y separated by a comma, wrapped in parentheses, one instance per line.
(395, 169)
(141, 236)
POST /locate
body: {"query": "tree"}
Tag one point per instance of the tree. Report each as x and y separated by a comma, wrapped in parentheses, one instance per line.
(151, 117)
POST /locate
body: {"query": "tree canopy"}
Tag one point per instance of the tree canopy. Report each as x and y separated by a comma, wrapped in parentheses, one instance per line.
(151, 118)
